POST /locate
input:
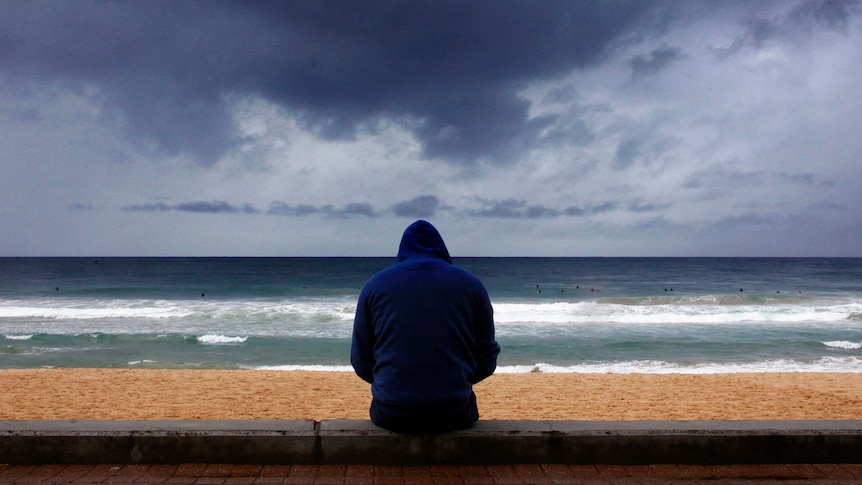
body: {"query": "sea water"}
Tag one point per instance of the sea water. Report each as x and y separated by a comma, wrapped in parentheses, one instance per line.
(591, 315)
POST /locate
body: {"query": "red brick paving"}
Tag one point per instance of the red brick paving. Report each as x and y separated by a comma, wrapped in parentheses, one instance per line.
(226, 474)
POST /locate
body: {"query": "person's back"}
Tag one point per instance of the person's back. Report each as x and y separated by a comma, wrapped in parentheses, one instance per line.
(423, 335)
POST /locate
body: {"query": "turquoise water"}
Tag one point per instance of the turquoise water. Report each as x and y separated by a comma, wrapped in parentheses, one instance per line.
(692, 315)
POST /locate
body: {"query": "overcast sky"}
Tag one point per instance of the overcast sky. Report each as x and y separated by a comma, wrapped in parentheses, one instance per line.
(518, 128)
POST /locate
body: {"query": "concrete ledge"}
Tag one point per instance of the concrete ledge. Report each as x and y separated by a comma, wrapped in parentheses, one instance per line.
(487, 443)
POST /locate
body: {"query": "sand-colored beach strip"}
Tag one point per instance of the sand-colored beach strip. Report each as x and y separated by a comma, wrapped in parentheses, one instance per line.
(214, 394)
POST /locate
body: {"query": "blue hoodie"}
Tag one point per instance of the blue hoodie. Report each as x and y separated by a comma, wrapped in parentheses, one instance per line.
(423, 332)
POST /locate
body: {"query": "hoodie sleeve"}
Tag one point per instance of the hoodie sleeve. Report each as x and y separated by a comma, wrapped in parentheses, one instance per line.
(487, 348)
(362, 349)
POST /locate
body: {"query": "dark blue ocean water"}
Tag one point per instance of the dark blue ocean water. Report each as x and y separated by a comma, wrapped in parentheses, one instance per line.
(692, 315)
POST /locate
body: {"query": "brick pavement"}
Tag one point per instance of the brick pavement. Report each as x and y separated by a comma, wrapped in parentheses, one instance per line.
(224, 474)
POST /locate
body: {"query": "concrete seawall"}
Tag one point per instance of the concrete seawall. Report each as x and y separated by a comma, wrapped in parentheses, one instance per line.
(487, 443)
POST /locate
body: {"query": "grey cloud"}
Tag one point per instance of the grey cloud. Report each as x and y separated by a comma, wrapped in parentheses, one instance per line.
(205, 207)
(570, 126)
(756, 34)
(658, 59)
(422, 206)
(540, 212)
(627, 153)
(359, 209)
(806, 16)
(214, 207)
(279, 208)
(487, 125)
(660, 223)
(509, 208)
(590, 209)
(717, 177)
(561, 94)
(572, 130)
(512, 209)
(250, 209)
(159, 207)
(747, 219)
(24, 115)
(200, 207)
(799, 178)
(448, 70)
(832, 14)
(519, 209)
(637, 206)
(78, 206)
(827, 206)
(644, 144)
(172, 124)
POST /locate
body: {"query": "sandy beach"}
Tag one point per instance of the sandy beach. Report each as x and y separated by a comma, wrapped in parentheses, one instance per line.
(215, 394)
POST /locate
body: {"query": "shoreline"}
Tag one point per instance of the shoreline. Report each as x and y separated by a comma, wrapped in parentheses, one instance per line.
(143, 394)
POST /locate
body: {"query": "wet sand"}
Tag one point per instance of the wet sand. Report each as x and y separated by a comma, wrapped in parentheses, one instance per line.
(215, 394)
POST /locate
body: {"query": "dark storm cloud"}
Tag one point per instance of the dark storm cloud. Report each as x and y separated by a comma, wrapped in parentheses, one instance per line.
(447, 70)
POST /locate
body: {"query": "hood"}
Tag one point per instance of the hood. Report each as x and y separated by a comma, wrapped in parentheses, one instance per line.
(421, 241)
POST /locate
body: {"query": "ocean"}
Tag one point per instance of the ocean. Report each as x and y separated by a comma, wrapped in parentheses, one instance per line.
(579, 315)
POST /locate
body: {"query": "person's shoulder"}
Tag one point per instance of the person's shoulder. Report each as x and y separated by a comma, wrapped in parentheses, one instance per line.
(463, 273)
(382, 274)
(460, 268)
(391, 275)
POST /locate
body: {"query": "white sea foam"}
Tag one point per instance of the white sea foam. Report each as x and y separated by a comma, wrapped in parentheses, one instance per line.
(220, 339)
(626, 328)
(612, 313)
(332, 318)
(92, 310)
(306, 319)
(844, 344)
(307, 311)
(19, 337)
